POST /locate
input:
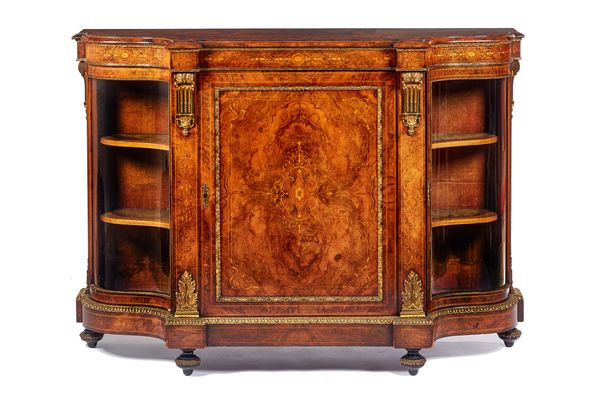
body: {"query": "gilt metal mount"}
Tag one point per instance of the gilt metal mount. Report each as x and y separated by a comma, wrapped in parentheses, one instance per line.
(412, 84)
(184, 88)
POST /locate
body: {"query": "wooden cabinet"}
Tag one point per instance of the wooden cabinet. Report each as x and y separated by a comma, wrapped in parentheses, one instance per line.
(299, 187)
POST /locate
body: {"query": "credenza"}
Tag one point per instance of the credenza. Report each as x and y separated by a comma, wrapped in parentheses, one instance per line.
(323, 187)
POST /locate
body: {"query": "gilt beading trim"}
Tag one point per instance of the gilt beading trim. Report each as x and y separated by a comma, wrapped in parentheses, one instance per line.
(87, 302)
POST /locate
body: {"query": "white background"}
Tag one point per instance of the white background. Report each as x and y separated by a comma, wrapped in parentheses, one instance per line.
(43, 216)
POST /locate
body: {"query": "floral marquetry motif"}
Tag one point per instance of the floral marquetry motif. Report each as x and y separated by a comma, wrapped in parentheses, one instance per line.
(298, 58)
(296, 192)
(129, 55)
(470, 53)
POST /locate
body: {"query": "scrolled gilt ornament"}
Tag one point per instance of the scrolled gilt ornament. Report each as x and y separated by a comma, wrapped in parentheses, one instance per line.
(184, 78)
(81, 67)
(515, 66)
(412, 77)
(411, 122)
(185, 122)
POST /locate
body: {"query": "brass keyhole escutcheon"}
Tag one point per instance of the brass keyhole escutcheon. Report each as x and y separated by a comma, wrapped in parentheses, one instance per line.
(205, 195)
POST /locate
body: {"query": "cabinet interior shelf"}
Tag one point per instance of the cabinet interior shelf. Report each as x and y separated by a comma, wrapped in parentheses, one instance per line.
(445, 140)
(138, 217)
(138, 140)
(461, 216)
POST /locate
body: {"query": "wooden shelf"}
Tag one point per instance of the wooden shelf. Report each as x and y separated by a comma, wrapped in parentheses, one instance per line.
(137, 140)
(138, 217)
(461, 216)
(445, 140)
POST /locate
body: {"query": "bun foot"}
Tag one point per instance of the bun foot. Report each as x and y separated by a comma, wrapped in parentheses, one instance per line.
(91, 338)
(187, 361)
(412, 360)
(510, 337)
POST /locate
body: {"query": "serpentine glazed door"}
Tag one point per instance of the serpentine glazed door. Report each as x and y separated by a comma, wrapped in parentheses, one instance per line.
(299, 171)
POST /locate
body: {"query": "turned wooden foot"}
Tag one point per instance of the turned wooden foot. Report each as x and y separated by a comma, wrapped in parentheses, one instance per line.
(187, 361)
(510, 337)
(90, 337)
(412, 360)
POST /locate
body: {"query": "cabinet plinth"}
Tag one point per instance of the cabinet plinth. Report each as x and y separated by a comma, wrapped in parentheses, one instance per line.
(299, 187)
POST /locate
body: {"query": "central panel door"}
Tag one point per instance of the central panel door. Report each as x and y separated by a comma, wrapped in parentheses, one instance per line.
(298, 170)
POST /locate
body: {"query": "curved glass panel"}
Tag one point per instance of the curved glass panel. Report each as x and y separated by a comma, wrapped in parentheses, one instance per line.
(468, 185)
(130, 128)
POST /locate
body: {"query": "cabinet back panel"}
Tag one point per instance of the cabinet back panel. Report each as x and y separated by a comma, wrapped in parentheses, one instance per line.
(132, 107)
(459, 106)
(465, 258)
(134, 178)
(134, 258)
(459, 177)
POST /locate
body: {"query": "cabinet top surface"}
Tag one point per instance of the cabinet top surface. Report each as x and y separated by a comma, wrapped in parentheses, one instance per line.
(380, 37)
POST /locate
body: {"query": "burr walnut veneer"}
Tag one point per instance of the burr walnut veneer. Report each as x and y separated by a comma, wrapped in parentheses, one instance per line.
(299, 187)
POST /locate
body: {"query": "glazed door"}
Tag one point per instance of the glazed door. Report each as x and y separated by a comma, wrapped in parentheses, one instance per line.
(298, 171)
(469, 189)
(130, 216)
